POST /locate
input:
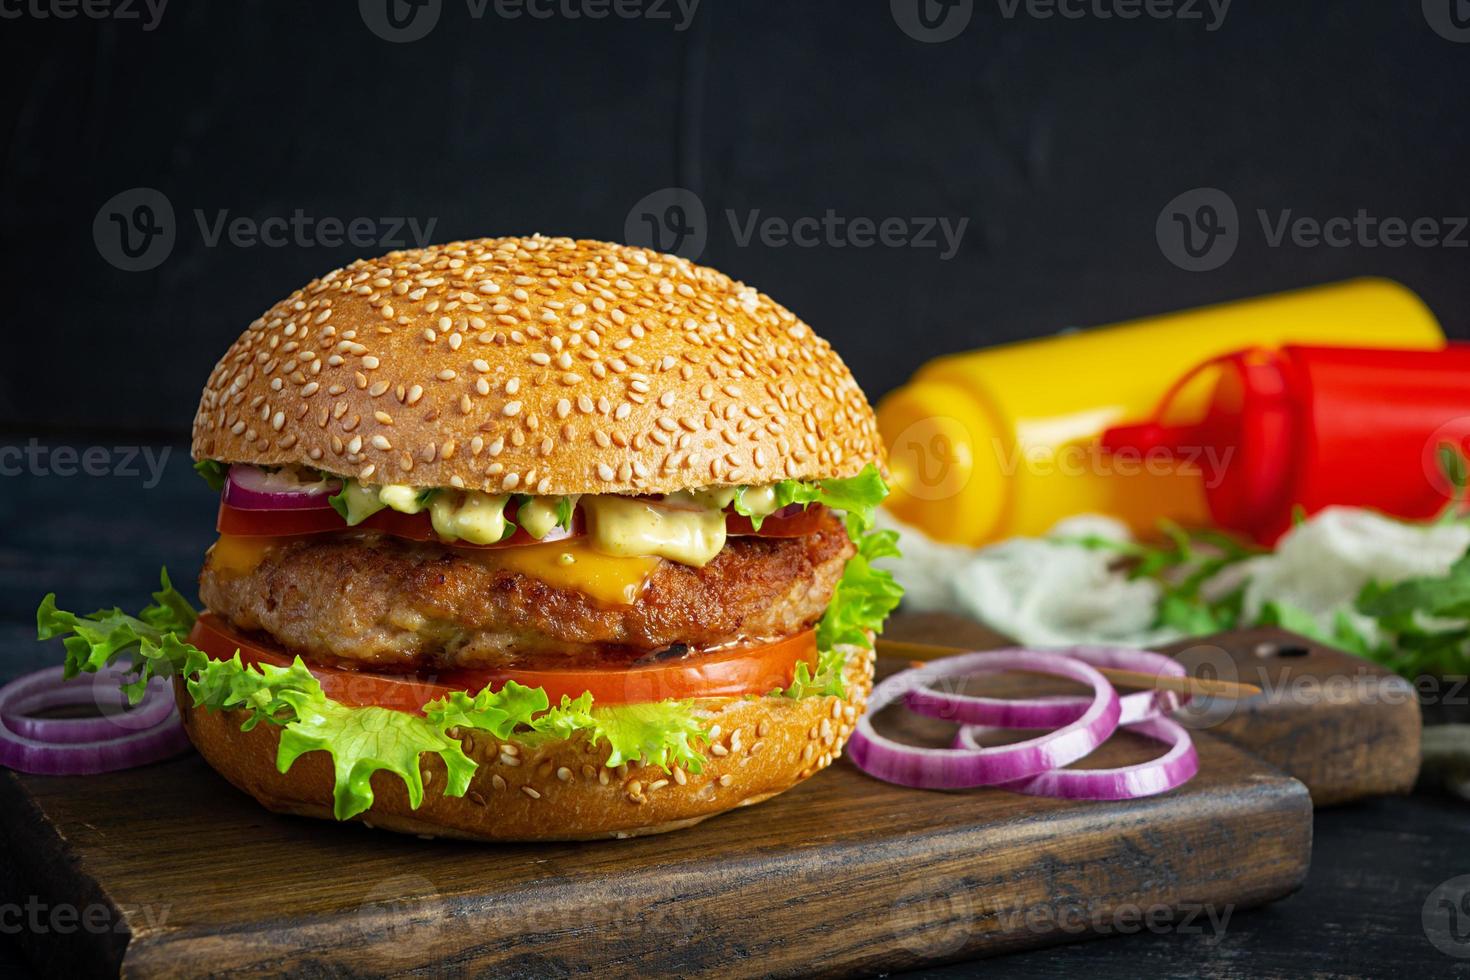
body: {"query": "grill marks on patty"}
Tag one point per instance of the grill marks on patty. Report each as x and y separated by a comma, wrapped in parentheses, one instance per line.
(370, 600)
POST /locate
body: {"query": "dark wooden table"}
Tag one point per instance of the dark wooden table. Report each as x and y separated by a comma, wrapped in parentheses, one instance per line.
(99, 540)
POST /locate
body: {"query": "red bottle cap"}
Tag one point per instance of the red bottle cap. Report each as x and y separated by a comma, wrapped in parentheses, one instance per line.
(1243, 447)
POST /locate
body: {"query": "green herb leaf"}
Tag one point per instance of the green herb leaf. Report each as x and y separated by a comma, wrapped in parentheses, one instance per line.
(1446, 596)
(565, 508)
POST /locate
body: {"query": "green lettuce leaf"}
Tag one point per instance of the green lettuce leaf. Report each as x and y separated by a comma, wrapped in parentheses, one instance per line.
(499, 712)
(825, 682)
(857, 497)
(213, 473)
(362, 741)
(100, 639)
(864, 596)
(568, 718)
(863, 599)
(223, 685)
(661, 733)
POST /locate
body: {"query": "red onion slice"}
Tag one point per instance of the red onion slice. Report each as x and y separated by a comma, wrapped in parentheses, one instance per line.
(46, 689)
(1175, 768)
(251, 488)
(58, 746)
(1054, 712)
(926, 768)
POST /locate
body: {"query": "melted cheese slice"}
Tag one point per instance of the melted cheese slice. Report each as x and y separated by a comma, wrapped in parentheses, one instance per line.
(612, 580)
(238, 555)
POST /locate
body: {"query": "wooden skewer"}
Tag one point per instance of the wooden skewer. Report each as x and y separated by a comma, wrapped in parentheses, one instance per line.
(1197, 686)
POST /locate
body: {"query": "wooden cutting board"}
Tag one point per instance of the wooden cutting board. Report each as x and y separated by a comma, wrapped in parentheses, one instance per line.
(169, 871)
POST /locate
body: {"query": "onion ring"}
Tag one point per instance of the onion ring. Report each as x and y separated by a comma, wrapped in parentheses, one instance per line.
(925, 768)
(1054, 712)
(83, 746)
(1174, 768)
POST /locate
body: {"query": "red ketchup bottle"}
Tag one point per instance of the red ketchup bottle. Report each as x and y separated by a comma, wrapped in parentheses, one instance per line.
(1313, 427)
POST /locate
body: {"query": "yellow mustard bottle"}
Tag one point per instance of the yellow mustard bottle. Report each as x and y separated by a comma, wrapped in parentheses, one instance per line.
(1000, 442)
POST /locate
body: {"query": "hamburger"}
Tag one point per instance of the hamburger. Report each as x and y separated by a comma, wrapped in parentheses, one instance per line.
(522, 538)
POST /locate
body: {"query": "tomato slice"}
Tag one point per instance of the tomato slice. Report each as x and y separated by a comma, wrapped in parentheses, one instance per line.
(755, 669)
(416, 527)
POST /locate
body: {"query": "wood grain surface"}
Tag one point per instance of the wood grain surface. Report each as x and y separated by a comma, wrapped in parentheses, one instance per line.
(1345, 727)
(843, 874)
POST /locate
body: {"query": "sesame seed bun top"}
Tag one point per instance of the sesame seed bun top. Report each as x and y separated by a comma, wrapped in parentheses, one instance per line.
(536, 365)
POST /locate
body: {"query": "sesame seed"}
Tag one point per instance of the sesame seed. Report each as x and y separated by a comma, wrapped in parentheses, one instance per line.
(531, 792)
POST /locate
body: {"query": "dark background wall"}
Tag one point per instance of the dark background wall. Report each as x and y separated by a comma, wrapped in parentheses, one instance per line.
(1059, 139)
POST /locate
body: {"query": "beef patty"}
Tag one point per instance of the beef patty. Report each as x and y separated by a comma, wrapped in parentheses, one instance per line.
(379, 602)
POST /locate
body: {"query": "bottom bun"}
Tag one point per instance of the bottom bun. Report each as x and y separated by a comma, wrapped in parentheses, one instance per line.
(559, 790)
